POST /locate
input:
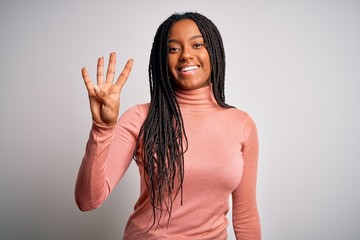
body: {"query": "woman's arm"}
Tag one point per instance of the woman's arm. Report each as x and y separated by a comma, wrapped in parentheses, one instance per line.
(98, 170)
(245, 213)
(108, 154)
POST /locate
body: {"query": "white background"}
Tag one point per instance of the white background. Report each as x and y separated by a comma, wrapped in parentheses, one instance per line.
(293, 65)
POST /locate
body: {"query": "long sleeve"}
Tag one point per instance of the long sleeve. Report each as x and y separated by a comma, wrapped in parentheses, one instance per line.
(108, 154)
(245, 213)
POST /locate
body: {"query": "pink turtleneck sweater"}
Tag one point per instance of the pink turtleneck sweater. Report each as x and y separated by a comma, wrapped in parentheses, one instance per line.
(221, 161)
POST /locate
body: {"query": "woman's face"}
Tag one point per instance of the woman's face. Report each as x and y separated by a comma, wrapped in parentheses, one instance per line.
(189, 61)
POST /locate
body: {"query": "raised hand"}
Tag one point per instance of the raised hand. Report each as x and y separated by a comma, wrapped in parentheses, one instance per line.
(105, 96)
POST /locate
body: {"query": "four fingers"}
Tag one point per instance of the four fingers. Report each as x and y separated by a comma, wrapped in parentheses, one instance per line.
(100, 93)
(109, 74)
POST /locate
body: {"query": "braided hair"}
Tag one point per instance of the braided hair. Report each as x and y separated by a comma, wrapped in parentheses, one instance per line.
(162, 138)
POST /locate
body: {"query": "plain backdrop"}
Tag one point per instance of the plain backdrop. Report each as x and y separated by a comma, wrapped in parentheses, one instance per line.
(293, 65)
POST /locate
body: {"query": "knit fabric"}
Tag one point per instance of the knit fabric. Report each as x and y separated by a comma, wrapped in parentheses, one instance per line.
(221, 160)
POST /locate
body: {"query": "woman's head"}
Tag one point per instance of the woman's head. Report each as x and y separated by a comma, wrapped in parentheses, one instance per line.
(159, 72)
(189, 62)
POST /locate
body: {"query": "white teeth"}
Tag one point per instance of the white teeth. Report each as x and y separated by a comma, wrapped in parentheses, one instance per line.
(186, 69)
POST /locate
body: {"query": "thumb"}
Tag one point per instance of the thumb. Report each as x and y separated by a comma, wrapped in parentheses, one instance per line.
(103, 96)
(100, 93)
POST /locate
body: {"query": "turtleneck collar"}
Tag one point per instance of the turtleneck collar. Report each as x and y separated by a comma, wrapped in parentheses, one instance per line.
(201, 99)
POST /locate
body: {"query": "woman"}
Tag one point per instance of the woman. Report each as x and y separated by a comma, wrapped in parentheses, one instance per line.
(192, 149)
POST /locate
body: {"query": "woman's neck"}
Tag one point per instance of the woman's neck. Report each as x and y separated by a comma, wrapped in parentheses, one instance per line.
(200, 99)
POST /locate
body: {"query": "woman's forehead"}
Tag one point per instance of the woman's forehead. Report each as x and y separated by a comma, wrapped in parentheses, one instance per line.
(186, 28)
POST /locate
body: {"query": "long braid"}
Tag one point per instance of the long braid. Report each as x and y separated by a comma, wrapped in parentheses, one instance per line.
(162, 137)
(216, 51)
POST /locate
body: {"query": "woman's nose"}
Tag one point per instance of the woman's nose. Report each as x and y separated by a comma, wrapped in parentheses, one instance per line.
(186, 54)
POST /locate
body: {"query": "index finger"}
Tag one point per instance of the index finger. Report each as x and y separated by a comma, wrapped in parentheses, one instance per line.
(124, 74)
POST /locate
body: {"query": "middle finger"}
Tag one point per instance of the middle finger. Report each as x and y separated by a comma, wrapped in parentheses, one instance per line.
(111, 68)
(100, 71)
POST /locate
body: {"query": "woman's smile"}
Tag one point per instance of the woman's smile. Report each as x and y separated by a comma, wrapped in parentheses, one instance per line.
(189, 61)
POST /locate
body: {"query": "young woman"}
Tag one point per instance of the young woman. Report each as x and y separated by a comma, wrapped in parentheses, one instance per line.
(192, 149)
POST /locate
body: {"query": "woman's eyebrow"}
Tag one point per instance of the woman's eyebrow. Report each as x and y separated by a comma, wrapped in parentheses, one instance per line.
(192, 38)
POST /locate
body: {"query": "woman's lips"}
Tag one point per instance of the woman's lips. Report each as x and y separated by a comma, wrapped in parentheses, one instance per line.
(188, 69)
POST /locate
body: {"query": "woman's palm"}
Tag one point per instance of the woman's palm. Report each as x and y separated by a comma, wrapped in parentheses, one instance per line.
(105, 96)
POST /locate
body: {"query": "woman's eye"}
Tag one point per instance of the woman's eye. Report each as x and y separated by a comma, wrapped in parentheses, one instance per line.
(173, 49)
(198, 45)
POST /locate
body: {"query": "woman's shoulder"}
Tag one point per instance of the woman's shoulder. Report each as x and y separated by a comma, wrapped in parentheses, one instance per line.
(239, 113)
(240, 117)
(135, 113)
(138, 109)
